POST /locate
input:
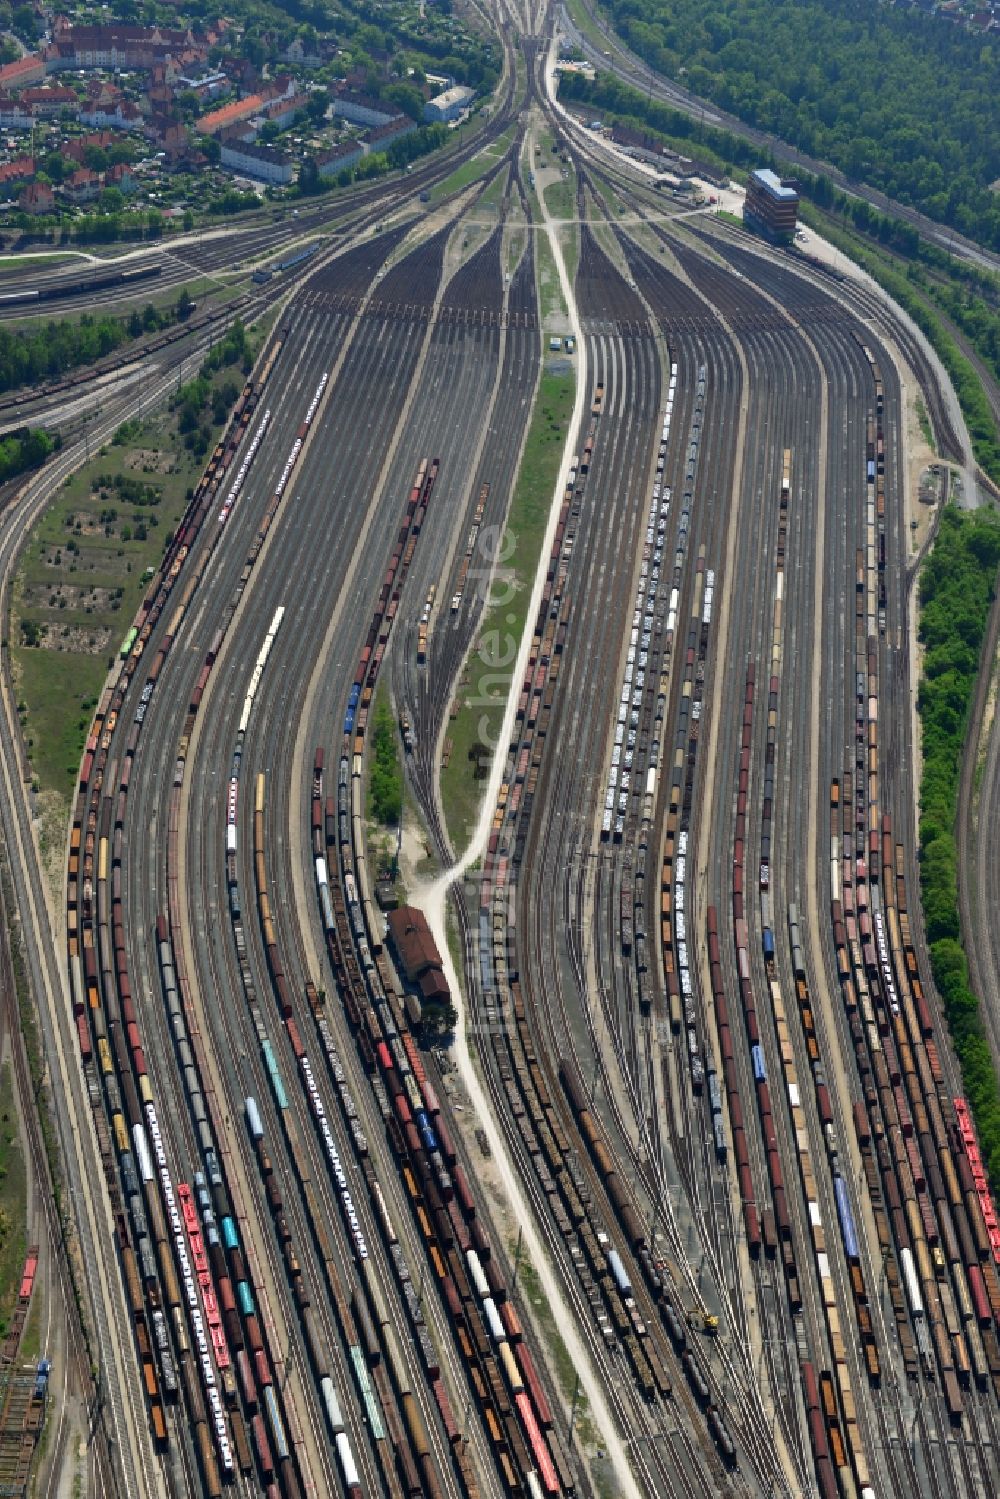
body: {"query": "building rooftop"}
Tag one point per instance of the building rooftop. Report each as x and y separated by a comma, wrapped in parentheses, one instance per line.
(23, 67)
(413, 942)
(254, 152)
(458, 94)
(773, 184)
(334, 153)
(218, 119)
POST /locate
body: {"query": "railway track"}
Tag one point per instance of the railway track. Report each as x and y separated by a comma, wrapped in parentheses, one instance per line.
(307, 1228)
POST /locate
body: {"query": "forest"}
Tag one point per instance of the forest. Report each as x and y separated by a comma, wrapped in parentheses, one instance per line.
(900, 100)
(31, 353)
(956, 590)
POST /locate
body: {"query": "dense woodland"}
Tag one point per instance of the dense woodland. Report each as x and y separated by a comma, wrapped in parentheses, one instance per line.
(956, 589)
(31, 353)
(902, 101)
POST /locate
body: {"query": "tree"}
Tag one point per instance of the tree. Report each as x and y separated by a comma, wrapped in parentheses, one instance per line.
(890, 103)
(409, 99)
(184, 305)
(319, 103)
(310, 181)
(54, 166)
(24, 24)
(120, 152)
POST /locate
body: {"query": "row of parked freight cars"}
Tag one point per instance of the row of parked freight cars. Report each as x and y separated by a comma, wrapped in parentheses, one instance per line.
(217, 1295)
(80, 286)
(366, 1326)
(508, 1390)
(676, 933)
(355, 1324)
(102, 1000)
(838, 1451)
(244, 1323)
(571, 1192)
(641, 642)
(927, 1207)
(929, 1214)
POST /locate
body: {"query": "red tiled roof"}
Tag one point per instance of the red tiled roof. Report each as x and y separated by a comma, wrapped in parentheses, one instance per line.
(54, 95)
(24, 67)
(13, 171)
(413, 942)
(434, 986)
(218, 119)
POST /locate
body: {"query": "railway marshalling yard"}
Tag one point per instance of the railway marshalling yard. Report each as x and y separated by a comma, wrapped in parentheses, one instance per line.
(686, 1205)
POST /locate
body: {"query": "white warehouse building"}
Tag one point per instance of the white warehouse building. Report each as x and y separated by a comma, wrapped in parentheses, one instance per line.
(449, 105)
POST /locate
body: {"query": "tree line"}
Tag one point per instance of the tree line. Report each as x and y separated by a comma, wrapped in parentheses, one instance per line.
(957, 587)
(31, 353)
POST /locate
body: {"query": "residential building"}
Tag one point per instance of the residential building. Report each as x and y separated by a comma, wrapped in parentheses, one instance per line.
(296, 53)
(384, 135)
(122, 177)
(206, 87)
(283, 111)
(46, 103)
(449, 105)
(21, 170)
(83, 187)
(363, 109)
(119, 46)
(262, 162)
(124, 115)
(167, 134)
(13, 115)
(76, 150)
(219, 120)
(339, 158)
(37, 197)
(25, 70)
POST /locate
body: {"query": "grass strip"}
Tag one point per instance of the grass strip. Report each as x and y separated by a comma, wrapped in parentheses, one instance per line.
(957, 586)
(550, 297)
(470, 171)
(385, 773)
(483, 694)
(11, 263)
